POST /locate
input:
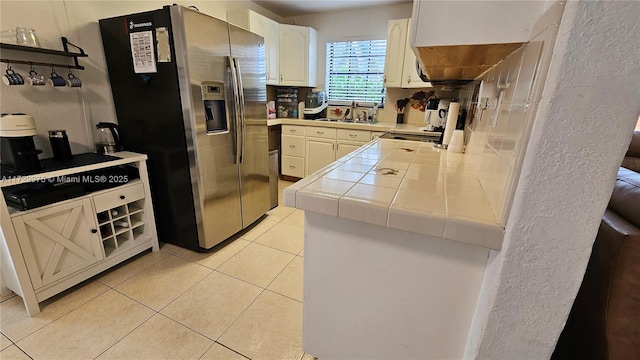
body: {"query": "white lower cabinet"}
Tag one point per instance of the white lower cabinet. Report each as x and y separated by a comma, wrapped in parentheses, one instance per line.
(345, 147)
(293, 166)
(58, 241)
(320, 153)
(307, 149)
(121, 218)
(293, 150)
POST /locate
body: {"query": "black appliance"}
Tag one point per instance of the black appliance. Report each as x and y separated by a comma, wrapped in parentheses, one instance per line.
(60, 144)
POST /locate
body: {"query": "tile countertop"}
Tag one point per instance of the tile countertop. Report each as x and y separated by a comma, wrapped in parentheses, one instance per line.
(405, 185)
(413, 129)
(333, 124)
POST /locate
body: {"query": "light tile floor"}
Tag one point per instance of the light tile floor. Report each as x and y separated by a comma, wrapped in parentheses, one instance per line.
(244, 300)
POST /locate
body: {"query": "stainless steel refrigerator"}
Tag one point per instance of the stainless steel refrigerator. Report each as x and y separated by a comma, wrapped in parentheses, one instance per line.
(190, 92)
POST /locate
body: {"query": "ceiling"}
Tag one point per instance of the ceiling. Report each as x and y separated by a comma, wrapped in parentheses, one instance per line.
(289, 8)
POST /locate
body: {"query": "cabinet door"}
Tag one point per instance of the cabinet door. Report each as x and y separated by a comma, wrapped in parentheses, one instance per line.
(394, 59)
(294, 55)
(58, 241)
(293, 145)
(410, 75)
(270, 31)
(319, 153)
(346, 147)
(293, 166)
(354, 135)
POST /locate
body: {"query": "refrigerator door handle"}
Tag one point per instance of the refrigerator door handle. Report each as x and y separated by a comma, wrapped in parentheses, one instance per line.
(236, 106)
(241, 103)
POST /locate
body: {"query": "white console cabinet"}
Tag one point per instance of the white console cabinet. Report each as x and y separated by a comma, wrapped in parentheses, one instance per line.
(49, 249)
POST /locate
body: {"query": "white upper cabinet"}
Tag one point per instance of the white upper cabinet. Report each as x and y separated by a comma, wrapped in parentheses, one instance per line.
(442, 23)
(394, 58)
(269, 30)
(410, 75)
(298, 54)
(460, 40)
(400, 64)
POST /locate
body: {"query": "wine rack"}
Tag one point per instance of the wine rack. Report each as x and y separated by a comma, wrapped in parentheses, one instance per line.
(121, 226)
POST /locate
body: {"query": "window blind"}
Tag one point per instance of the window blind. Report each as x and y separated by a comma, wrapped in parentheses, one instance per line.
(355, 70)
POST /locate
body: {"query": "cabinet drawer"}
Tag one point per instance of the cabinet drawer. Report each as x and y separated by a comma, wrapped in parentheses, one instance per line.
(293, 166)
(293, 130)
(293, 145)
(320, 132)
(120, 196)
(355, 135)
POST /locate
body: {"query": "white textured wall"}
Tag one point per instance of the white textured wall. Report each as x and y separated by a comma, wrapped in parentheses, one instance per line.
(582, 128)
(76, 109)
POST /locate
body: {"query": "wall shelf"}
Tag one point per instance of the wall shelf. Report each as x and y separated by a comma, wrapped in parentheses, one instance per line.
(65, 53)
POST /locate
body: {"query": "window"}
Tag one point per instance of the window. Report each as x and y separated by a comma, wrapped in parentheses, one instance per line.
(355, 70)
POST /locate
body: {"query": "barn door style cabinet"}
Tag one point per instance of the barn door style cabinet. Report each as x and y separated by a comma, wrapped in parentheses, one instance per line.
(50, 248)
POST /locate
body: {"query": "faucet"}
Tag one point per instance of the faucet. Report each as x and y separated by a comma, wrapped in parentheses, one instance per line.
(349, 113)
(353, 109)
(346, 113)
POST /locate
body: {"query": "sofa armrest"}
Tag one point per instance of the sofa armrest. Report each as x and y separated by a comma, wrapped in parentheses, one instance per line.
(632, 158)
(625, 199)
(623, 308)
(603, 322)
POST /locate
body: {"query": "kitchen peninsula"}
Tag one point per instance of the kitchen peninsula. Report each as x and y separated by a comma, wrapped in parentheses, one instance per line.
(395, 225)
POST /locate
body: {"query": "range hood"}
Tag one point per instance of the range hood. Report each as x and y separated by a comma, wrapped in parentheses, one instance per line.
(461, 64)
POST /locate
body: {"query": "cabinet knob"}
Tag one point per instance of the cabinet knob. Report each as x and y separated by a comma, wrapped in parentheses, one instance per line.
(352, 135)
(409, 79)
(291, 167)
(292, 146)
(122, 197)
(319, 132)
(280, 77)
(93, 231)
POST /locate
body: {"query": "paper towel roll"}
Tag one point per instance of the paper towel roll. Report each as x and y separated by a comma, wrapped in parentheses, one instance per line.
(452, 120)
(457, 141)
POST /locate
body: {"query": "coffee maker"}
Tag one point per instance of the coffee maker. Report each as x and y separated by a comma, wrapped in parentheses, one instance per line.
(18, 152)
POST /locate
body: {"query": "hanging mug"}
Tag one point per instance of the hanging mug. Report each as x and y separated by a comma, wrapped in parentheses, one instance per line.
(73, 81)
(12, 78)
(36, 79)
(56, 80)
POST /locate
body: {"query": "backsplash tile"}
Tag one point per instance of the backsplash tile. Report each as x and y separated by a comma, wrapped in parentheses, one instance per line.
(499, 150)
